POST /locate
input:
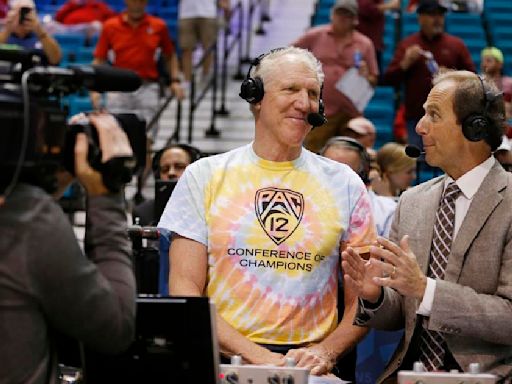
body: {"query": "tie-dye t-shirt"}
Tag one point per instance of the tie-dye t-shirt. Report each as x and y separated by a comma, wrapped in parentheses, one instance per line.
(273, 232)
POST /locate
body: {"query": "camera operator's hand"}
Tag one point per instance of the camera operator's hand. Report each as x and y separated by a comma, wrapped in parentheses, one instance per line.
(113, 143)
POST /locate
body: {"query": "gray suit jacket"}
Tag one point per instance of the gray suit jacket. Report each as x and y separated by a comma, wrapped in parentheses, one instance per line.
(473, 304)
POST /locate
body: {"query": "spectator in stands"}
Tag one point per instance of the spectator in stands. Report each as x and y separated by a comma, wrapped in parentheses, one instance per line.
(87, 15)
(197, 21)
(83, 11)
(371, 22)
(259, 229)
(492, 66)
(363, 130)
(339, 47)
(347, 150)
(4, 8)
(419, 56)
(168, 163)
(135, 38)
(27, 32)
(445, 275)
(397, 169)
(504, 154)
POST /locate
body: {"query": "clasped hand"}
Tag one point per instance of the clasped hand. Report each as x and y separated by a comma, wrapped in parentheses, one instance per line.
(390, 265)
(315, 357)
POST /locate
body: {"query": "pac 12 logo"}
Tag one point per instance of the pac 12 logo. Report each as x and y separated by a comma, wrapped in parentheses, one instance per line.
(279, 212)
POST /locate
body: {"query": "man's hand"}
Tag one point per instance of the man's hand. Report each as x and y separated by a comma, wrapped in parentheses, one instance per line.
(267, 357)
(359, 274)
(88, 177)
(315, 357)
(113, 143)
(177, 90)
(412, 54)
(400, 267)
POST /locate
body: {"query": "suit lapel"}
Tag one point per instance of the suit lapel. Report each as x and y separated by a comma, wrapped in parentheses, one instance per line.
(427, 218)
(484, 202)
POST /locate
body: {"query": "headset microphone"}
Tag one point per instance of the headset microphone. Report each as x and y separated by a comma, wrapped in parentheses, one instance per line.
(316, 119)
(413, 151)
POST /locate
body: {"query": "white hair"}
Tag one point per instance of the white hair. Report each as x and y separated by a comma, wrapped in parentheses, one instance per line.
(266, 66)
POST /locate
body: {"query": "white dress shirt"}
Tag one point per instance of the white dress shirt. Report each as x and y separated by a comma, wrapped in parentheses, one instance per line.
(468, 184)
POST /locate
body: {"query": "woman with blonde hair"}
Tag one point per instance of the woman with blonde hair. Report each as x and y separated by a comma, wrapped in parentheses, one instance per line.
(397, 170)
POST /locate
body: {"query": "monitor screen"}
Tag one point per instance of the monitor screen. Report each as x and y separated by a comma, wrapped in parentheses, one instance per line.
(163, 190)
(175, 343)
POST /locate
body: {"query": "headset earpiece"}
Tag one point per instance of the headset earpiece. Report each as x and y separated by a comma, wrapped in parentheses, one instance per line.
(252, 90)
(475, 127)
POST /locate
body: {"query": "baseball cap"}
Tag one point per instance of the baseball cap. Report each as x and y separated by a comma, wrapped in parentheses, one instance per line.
(349, 5)
(505, 144)
(494, 52)
(361, 126)
(425, 6)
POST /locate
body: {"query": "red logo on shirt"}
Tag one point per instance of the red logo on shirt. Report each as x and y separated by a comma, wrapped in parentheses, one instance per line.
(279, 212)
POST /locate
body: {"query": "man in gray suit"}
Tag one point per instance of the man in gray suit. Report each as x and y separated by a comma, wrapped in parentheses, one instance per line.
(462, 313)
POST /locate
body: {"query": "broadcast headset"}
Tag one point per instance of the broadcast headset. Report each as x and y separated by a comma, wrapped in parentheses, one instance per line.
(252, 91)
(476, 126)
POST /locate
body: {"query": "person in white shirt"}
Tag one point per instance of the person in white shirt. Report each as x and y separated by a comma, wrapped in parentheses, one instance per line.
(197, 23)
(453, 284)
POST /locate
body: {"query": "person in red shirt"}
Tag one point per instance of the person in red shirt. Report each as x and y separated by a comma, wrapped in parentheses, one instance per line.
(339, 47)
(83, 11)
(419, 56)
(4, 7)
(135, 37)
(371, 22)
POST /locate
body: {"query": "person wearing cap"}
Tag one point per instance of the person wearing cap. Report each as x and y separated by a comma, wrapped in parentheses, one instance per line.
(372, 20)
(27, 32)
(362, 130)
(492, 66)
(418, 57)
(504, 154)
(339, 47)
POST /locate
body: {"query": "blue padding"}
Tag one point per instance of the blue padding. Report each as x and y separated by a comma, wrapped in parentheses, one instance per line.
(163, 274)
(70, 40)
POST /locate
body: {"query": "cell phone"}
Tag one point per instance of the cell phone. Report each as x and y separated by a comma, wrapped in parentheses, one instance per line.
(23, 14)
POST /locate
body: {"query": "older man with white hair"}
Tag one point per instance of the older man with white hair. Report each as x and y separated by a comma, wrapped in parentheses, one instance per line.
(259, 229)
(22, 27)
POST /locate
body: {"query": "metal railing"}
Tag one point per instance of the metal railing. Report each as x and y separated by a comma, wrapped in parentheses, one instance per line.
(232, 41)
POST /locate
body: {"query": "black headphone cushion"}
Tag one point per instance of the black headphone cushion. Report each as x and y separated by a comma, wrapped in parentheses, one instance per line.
(475, 127)
(252, 90)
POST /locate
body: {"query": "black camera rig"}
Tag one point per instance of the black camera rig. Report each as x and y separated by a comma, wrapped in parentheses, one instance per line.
(35, 138)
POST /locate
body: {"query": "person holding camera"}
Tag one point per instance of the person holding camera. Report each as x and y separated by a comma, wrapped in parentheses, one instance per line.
(22, 27)
(47, 285)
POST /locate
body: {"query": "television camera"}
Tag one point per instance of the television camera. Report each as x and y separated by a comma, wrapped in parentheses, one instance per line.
(35, 138)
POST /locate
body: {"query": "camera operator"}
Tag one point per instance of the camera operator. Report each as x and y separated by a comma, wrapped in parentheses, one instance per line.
(46, 282)
(22, 27)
